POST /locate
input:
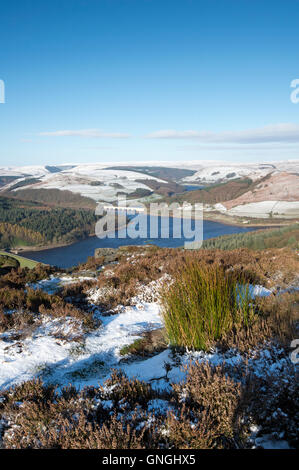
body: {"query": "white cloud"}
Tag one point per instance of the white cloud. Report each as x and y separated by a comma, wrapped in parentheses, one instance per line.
(285, 132)
(95, 133)
(271, 146)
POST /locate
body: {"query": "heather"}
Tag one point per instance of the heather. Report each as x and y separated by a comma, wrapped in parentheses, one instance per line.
(151, 348)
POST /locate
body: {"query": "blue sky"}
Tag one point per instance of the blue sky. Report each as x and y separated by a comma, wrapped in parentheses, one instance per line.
(136, 80)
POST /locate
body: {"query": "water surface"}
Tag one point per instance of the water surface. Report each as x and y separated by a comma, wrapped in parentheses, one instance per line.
(78, 252)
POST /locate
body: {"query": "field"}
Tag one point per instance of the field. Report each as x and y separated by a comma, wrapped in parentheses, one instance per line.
(23, 262)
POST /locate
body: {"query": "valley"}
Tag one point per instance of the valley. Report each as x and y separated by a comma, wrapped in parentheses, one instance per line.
(131, 334)
(255, 195)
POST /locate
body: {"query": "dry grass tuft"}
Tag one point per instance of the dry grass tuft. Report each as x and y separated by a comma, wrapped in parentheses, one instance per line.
(152, 342)
(203, 303)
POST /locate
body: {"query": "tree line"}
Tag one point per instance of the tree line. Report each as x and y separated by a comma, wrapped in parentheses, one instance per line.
(33, 225)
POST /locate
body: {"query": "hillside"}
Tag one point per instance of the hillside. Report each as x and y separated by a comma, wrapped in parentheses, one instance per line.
(275, 187)
(161, 172)
(50, 197)
(257, 240)
(91, 355)
(220, 172)
(234, 191)
(213, 194)
(92, 181)
(164, 188)
(25, 223)
(275, 195)
(103, 182)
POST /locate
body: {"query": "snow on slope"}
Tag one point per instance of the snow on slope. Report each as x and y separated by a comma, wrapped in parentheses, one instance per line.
(83, 179)
(22, 171)
(264, 209)
(213, 173)
(204, 168)
(62, 361)
(54, 283)
(280, 186)
(46, 353)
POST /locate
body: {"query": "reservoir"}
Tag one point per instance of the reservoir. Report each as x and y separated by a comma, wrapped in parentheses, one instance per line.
(78, 252)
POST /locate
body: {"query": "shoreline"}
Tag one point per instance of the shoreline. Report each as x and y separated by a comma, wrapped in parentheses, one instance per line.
(211, 218)
(56, 245)
(263, 223)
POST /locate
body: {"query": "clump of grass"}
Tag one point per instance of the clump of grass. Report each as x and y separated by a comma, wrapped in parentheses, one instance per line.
(90, 369)
(203, 303)
(133, 348)
(151, 343)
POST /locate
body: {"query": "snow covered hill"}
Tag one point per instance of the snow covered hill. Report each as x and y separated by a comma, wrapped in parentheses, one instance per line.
(98, 182)
(219, 172)
(90, 180)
